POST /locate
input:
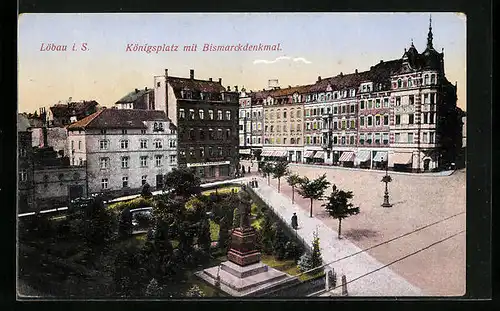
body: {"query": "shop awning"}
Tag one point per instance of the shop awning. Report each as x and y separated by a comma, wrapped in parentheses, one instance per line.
(319, 155)
(267, 153)
(363, 155)
(245, 151)
(280, 153)
(347, 156)
(380, 156)
(309, 154)
(402, 158)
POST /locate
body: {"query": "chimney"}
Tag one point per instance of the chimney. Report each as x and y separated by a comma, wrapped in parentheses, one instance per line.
(44, 130)
(228, 88)
(146, 88)
(356, 71)
(220, 80)
(136, 90)
(341, 74)
(191, 74)
(319, 78)
(210, 79)
(236, 88)
(166, 72)
(381, 61)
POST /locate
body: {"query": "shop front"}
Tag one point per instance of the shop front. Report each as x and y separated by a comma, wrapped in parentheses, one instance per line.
(347, 159)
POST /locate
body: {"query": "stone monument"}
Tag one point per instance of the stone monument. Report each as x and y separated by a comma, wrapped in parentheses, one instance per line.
(243, 274)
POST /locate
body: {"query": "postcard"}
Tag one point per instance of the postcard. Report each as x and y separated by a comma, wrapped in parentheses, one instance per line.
(245, 155)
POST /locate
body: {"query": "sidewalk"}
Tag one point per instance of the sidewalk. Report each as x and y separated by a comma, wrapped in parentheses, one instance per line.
(333, 167)
(381, 283)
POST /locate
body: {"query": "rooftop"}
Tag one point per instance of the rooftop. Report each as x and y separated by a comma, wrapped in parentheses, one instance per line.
(72, 108)
(118, 119)
(134, 95)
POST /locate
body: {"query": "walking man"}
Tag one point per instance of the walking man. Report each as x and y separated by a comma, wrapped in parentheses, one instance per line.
(295, 224)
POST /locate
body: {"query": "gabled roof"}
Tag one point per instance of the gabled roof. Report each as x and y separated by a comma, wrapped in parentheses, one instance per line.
(134, 96)
(195, 85)
(118, 119)
(66, 110)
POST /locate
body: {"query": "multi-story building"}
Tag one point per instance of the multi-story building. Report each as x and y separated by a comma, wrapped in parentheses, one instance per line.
(56, 182)
(206, 116)
(124, 149)
(63, 114)
(137, 99)
(247, 127)
(25, 182)
(257, 118)
(401, 113)
(283, 122)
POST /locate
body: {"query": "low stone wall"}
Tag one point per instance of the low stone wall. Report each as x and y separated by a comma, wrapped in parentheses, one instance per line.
(296, 289)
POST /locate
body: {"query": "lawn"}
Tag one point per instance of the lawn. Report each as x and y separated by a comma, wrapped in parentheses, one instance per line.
(288, 266)
(221, 190)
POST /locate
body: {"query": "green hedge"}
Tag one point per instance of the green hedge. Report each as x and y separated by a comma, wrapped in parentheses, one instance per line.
(135, 203)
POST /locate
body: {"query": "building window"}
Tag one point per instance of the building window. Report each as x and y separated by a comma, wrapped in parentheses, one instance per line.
(202, 152)
(370, 120)
(409, 82)
(192, 136)
(397, 137)
(377, 120)
(201, 114)
(369, 138)
(411, 118)
(158, 143)
(219, 151)
(144, 143)
(385, 138)
(104, 163)
(191, 152)
(219, 134)
(431, 137)
(125, 162)
(386, 102)
(182, 114)
(72, 145)
(228, 115)
(433, 79)
(124, 182)
(104, 183)
(172, 158)
(158, 84)
(124, 132)
(219, 114)
(158, 160)
(124, 144)
(361, 139)
(23, 175)
(412, 99)
(144, 161)
(377, 103)
(433, 98)
(103, 144)
(103, 131)
(352, 124)
(191, 114)
(143, 131)
(144, 179)
(22, 152)
(398, 119)
(343, 124)
(210, 114)
(386, 119)
(398, 101)
(343, 109)
(410, 138)
(351, 140)
(426, 79)
(377, 138)
(424, 137)
(431, 118)
(79, 145)
(353, 109)
(399, 83)
(425, 117)
(361, 122)
(228, 133)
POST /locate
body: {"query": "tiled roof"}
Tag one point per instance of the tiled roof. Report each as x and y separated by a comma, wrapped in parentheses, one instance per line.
(133, 96)
(66, 110)
(118, 118)
(195, 85)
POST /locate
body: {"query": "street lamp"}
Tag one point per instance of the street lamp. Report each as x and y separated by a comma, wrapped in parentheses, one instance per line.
(386, 179)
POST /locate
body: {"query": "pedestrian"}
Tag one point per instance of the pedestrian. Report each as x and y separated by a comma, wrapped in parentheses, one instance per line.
(295, 224)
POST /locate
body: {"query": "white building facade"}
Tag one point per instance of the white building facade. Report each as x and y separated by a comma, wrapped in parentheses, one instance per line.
(124, 149)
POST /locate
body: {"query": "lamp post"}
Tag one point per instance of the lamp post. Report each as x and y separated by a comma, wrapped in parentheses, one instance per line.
(386, 179)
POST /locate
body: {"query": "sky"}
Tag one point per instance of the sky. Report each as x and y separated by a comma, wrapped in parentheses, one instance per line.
(312, 45)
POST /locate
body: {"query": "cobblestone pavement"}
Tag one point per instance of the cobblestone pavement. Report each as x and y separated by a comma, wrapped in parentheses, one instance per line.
(434, 201)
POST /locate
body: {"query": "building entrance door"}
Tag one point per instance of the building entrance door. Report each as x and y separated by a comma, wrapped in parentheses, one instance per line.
(426, 164)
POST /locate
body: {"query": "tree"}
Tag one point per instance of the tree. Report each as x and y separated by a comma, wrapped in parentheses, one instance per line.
(125, 224)
(267, 170)
(204, 238)
(304, 262)
(279, 170)
(182, 182)
(339, 207)
(279, 243)
(316, 259)
(294, 180)
(267, 233)
(99, 223)
(153, 289)
(313, 189)
(224, 235)
(146, 191)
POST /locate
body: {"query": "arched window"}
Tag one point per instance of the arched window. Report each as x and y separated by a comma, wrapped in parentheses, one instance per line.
(292, 141)
(433, 79)
(399, 83)
(426, 79)
(410, 82)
